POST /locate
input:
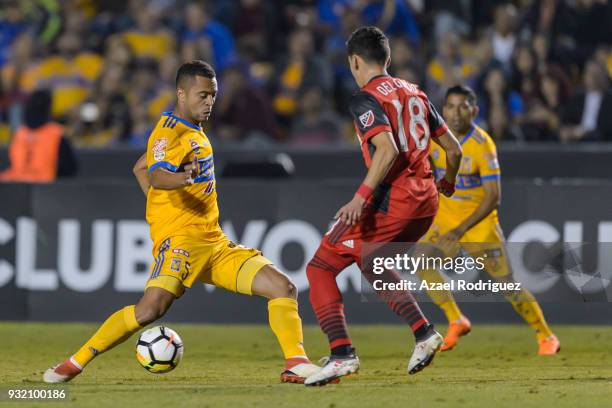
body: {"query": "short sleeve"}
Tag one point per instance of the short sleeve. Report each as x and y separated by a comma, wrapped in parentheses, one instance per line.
(165, 150)
(368, 115)
(437, 126)
(488, 165)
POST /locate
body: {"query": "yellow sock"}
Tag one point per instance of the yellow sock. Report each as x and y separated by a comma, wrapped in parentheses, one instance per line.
(287, 326)
(117, 328)
(528, 308)
(443, 298)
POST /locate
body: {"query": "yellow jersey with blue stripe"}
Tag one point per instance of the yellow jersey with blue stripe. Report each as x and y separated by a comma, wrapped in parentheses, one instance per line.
(479, 164)
(191, 210)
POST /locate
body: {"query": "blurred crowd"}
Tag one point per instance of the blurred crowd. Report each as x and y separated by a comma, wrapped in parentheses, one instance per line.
(541, 68)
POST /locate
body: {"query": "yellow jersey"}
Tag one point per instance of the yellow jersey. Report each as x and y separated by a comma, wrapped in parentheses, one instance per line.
(479, 163)
(190, 210)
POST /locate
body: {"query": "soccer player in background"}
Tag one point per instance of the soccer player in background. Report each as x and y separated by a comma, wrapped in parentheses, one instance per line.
(396, 202)
(470, 216)
(177, 175)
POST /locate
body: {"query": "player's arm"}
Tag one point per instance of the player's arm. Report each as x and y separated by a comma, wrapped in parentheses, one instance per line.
(452, 148)
(374, 128)
(141, 173)
(165, 179)
(382, 160)
(165, 156)
(490, 202)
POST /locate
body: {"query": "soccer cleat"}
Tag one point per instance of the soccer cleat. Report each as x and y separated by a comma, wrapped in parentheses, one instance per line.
(334, 368)
(424, 352)
(62, 372)
(456, 329)
(549, 346)
(297, 370)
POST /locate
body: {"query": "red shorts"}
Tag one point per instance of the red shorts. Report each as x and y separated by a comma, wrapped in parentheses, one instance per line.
(342, 245)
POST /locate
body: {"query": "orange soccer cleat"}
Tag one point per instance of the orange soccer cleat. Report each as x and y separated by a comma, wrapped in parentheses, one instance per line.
(549, 346)
(456, 329)
(297, 369)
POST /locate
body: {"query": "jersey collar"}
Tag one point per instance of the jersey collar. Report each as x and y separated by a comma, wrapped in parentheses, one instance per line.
(468, 134)
(183, 121)
(375, 78)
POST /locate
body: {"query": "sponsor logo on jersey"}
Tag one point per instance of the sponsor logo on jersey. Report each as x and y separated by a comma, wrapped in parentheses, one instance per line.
(492, 160)
(180, 251)
(367, 119)
(159, 149)
(349, 243)
(194, 146)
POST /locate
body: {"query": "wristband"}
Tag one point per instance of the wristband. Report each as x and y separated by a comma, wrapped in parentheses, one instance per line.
(447, 187)
(364, 191)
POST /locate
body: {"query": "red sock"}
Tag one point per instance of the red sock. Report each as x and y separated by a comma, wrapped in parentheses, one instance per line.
(326, 301)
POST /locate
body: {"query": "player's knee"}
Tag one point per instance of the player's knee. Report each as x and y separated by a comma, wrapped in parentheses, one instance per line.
(149, 313)
(283, 287)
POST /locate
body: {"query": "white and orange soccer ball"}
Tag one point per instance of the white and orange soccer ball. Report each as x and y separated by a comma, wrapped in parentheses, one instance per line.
(159, 349)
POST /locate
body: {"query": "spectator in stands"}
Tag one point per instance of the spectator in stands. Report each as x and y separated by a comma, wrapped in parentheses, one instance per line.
(149, 39)
(12, 24)
(71, 74)
(200, 26)
(316, 124)
(588, 115)
(525, 72)
(243, 112)
(499, 104)
(448, 68)
(38, 152)
(542, 116)
(504, 35)
(405, 59)
(394, 17)
(299, 69)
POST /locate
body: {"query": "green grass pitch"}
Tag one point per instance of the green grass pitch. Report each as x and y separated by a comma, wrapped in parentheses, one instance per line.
(238, 366)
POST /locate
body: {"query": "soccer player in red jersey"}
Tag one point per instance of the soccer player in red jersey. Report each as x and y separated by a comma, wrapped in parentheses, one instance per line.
(396, 202)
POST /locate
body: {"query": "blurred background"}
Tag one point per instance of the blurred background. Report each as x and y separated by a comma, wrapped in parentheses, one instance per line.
(83, 82)
(110, 65)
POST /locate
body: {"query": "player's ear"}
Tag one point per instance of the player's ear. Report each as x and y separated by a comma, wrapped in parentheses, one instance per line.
(475, 111)
(388, 63)
(180, 95)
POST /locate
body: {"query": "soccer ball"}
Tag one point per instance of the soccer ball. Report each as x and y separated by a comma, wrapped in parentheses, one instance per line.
(159, 349)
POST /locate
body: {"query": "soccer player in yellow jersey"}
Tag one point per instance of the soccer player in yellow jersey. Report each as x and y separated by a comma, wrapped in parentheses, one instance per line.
(177, 174)
(470, 216)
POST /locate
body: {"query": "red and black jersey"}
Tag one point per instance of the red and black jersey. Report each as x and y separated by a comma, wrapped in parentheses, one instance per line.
(387, 104)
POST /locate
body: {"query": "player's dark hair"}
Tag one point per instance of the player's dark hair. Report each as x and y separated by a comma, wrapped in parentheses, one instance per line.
(464, 90)
(370, 43)
(192, 69)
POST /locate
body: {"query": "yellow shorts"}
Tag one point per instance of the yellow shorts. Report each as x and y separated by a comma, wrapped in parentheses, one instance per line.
(486, 237)
(181, 260)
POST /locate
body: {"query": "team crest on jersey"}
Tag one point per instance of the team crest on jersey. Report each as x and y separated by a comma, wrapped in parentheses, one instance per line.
(159, 149)
(466, 164)
(194, 146)
(367, 119)
(175, 265)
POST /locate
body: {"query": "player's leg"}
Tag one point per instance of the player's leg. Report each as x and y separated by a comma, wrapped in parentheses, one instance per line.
(244, 270)
(326, 301)
(116, 329)
(524, 303)
(402, 302)
(458, 324)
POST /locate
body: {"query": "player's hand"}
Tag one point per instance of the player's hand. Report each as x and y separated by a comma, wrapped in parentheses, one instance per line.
(445, 187)
(191, 171)
(448, 242)
(351, 212)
